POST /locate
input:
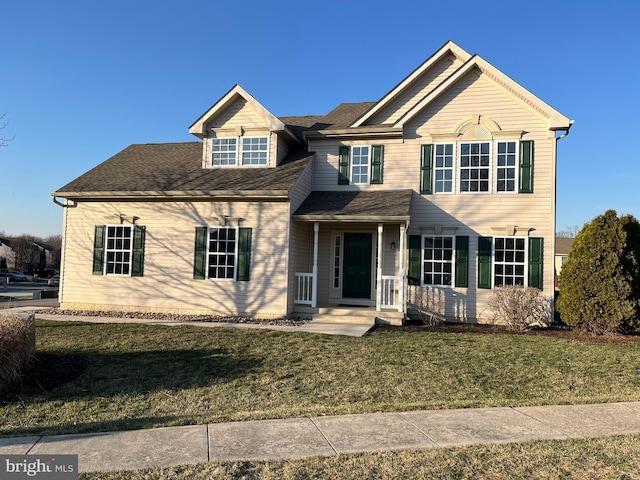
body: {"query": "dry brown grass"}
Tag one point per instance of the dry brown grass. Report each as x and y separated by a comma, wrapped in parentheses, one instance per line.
(17, 345)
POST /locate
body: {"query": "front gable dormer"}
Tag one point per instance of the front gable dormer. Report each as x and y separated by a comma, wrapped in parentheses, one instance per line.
(238, 132)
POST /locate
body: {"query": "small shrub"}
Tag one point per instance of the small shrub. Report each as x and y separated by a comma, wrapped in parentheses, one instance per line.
(428, 304)
(520, 308)
(17, 345)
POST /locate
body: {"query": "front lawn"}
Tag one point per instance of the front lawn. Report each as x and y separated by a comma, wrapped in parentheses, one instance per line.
(103, 377)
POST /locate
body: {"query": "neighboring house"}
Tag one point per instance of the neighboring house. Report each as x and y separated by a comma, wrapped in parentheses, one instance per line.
(7, 256)
(563, 247)
(443, 189)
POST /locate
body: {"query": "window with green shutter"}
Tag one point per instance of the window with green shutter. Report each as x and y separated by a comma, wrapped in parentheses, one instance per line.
(119, 250)
(536, 262)
(485, 245)
(344, 166)
(526, 166)
(426, 170)
(462, 261)
(222, 253)
(415, 258)
(377, 164)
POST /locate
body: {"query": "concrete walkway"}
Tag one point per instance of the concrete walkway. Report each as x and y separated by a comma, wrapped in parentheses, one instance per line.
(305, 437)
(328, 328)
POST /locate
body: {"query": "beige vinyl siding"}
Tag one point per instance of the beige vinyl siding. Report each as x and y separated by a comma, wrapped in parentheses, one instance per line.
(168, 284)
(239, 113)
(282, 148)
(416, 92)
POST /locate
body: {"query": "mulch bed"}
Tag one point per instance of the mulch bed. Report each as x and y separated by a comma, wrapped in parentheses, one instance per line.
(554, 331)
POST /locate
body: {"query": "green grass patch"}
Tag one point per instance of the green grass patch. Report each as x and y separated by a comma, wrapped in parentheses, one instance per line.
(599, 458)
(104, 377)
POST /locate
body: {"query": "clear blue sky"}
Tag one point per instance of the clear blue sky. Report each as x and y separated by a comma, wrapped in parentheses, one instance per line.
(81, 80)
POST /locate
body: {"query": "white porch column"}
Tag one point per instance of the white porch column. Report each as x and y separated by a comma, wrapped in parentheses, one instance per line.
(314, 286)
(402, 287)
(379, 271)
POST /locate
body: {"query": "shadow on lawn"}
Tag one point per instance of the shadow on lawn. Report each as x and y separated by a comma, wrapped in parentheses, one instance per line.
(67, 376)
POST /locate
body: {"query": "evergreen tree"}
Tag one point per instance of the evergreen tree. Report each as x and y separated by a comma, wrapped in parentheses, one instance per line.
(600, 281)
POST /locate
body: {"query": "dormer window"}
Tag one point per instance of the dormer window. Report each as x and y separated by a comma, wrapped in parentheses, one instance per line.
(252, 151)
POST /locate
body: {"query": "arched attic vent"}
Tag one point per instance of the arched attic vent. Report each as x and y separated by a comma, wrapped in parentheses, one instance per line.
(476, 127)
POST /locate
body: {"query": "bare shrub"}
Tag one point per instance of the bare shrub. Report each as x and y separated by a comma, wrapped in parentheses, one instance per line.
(17, 345)
(428, 303)
(519, 308)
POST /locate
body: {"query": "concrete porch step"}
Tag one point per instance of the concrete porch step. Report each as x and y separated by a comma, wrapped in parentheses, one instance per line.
(353, 315)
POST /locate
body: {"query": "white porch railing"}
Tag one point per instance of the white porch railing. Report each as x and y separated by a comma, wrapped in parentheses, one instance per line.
(389, 291)
(304, 288)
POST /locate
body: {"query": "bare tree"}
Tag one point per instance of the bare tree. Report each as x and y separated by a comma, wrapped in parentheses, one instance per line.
(569, 232)
(26, 251)
(4, 139)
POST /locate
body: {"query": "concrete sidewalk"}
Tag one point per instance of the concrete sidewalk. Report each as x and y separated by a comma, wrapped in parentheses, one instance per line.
(327, 328)
(305, 437)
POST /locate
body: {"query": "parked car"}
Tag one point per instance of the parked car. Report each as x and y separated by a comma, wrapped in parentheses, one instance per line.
(20, 277)
(43, 272)
(54, 281)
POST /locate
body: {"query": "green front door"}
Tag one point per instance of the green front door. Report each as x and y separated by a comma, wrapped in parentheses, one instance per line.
(356, 281)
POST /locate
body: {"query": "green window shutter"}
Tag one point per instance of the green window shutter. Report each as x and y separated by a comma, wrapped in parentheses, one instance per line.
(536, 262)
(415, 258)
(484, 262)
(244, 254)
(98, 249)
(462, 261)
(377, 163)
(343, 166)
(526, 166)
(426, 170)
(200, 254)
(137, 263)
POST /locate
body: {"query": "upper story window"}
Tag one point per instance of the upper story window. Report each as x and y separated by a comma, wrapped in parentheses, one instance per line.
(245, 151)
(477, 167)
(360, 165)
(224, 151)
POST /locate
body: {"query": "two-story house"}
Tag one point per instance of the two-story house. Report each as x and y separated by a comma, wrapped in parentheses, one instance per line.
(442, 189)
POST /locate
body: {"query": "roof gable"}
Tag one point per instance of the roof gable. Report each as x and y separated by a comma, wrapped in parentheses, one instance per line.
(232, 97)
(448, 49)
(556, 121)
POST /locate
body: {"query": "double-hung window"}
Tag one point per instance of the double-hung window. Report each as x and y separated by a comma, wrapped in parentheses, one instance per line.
(477, 167)
(510, 260)
(224, 151)
(222, 253)
(437, 260)
(118, 250)
(360, 165)
(509, 267)
(245, 151)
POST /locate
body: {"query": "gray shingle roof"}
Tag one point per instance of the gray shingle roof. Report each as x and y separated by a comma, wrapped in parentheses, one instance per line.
(340, 117)
(177, 167)
(349, 204)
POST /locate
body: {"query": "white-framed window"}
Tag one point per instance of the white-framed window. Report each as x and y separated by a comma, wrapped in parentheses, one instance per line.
(507, 166)
(510, 261)
(360, 164)
(222, 252)
(443, 162)
(255, 150)
(475, 166)
(240, 151)
(118, 249)
(438, 260)
(224, 151)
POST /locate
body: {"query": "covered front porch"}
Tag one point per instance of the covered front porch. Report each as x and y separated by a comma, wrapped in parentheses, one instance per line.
(349, 255)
